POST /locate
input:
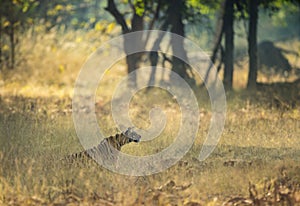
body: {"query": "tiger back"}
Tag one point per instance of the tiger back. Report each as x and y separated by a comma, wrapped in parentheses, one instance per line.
(106, 151)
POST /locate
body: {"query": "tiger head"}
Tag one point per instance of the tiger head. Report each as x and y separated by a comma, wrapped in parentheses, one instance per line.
(132, 135)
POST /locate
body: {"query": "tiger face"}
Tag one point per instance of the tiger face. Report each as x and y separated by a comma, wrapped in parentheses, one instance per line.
(124, 138)
(132, 135)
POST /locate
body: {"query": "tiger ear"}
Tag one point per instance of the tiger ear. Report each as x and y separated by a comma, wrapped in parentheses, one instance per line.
(122, 128)
(129, 130)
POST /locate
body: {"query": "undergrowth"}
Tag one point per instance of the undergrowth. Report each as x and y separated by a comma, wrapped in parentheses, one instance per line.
(260, 144)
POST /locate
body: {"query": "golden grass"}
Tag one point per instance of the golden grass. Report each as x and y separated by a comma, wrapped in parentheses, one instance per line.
(32, 143)
(260, 138)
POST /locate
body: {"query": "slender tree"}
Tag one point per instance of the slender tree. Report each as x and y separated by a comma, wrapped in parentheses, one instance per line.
(252, 44)
(225, 28)
(177, 27)
(137, 24)
(1, 46)
(15, 17)
(219, 31)
(229, 44)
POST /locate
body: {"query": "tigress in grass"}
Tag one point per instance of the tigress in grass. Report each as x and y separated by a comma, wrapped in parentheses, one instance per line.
(107, 149)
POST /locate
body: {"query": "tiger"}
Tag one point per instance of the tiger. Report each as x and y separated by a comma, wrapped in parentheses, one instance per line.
(106, 150)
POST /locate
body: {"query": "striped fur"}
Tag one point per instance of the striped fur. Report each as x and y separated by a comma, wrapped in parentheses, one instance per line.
(106, 151)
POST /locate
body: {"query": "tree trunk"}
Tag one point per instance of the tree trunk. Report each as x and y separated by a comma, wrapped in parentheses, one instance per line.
(133, 60)
(1, 34)
(229, 44)
(112, 9)
(137, 24)
(252, 44)
(219, 31)
(154, 54)
(12, 46)
(177, 27)
(217, 41)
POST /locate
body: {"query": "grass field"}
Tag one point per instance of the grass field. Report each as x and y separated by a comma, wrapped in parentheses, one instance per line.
(257, 158)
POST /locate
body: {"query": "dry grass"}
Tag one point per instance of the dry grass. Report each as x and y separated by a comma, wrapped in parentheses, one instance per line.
(254, 149)
(260, 142)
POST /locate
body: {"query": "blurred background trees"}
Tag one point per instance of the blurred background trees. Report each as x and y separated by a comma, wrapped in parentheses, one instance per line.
(15, 17)
(216, 26)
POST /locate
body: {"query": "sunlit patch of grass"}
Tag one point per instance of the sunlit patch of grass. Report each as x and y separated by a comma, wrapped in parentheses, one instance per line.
(49, 63)
(256, 139)
(290, 51)
(261, 136)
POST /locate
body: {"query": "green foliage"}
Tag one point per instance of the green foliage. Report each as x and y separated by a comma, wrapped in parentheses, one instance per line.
(139, 6)
(270, 6)
(203, 6)
(17, 12)
(196, 11)
(15, 16)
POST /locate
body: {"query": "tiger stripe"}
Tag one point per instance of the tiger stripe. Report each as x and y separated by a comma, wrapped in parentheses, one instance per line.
(106, 150)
